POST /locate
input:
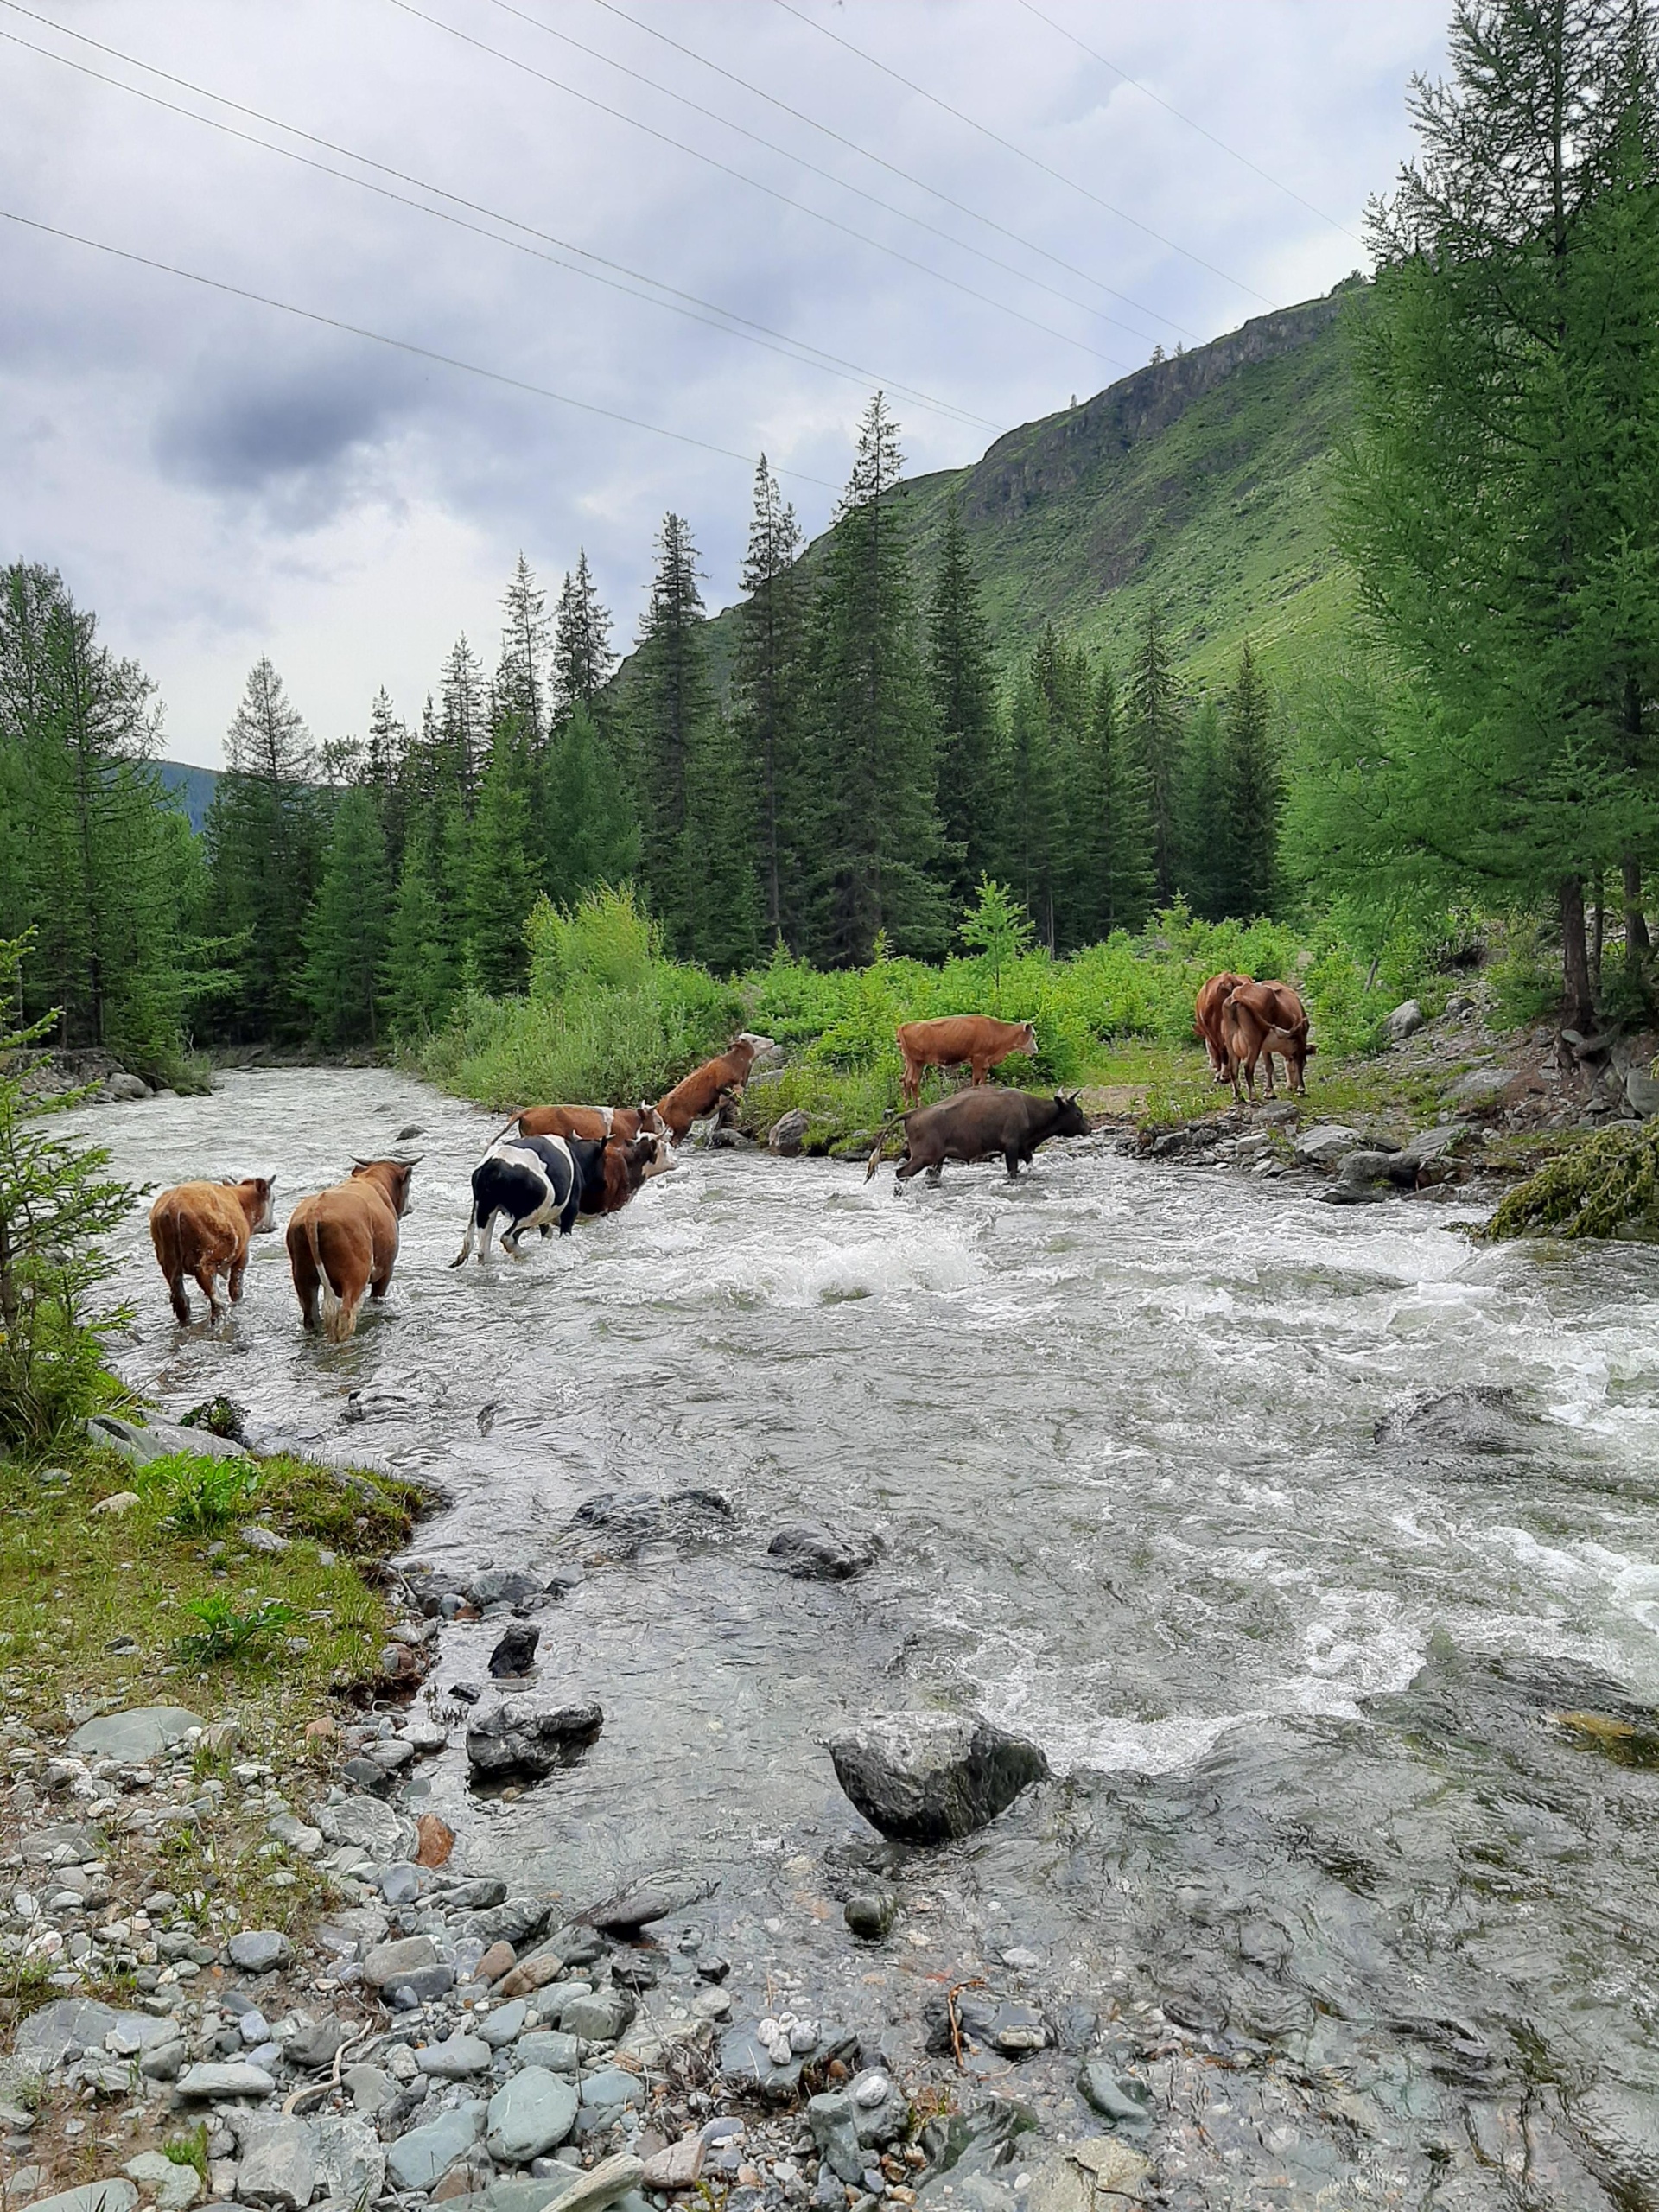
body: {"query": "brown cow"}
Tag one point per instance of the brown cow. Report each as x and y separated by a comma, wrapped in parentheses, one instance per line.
(625, 1164)
(1260, 1019)
(598, 1124)
(343, 1242)
(971, 1040)
(705, 1087)
(1206, 1019)
(202, 1230)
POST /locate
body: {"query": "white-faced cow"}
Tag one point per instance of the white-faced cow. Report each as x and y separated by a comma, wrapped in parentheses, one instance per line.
(544, 1183)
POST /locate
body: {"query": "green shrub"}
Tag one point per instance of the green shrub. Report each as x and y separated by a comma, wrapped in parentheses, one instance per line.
(224, 1633)
(197, 1494)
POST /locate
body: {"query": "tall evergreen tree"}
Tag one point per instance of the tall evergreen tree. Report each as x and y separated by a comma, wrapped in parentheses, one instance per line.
(1029, 844)
(418, 973)
(767, 674)
(1206, 839)
(1252, 792)
(344, 933)
(583, 662)
(882, 849)
(670, 711)
(963, 689)
(502, 869)
(1122, 817)
(465, 724)
(593, 832)
(521, 676)
(1155, 721)
(263, 834)
(1502, 507)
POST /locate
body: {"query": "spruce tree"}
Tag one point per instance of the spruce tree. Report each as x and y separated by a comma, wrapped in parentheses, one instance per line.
(583, 662)
(1252, 793)
(418, 973)
(672, 706)
(1205, 838)
(502, 872)
(1155, 723)
(962, 685)
(766, 676)
(881, 847)
(592, 829)
(521, 676)
(345, 932)
(464, 721)
(265, 835)
(1122, 816)
(1031, 819)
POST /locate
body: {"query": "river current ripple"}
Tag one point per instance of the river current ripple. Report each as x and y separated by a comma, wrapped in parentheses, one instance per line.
(1115, 1429)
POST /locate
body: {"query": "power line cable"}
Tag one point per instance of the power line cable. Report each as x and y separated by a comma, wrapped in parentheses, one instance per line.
(1192, 122)
(792, 349)
(1008, 146)
(799, 116)
(402, 346)
(620, 115)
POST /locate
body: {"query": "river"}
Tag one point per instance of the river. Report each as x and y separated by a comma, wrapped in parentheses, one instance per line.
(1115, 1429)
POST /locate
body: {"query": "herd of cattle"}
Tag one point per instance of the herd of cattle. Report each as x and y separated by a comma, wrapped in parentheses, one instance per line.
(553, 1164)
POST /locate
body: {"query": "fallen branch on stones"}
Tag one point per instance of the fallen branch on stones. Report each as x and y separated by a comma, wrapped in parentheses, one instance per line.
(1606, 1186)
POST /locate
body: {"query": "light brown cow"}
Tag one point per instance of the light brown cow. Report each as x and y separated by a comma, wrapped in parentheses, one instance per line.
(202, 1230)
(1207, 1017)
(954, 1040)
(705, 1087)
(342, 1243)
(1258, 1020)
(598, 1124)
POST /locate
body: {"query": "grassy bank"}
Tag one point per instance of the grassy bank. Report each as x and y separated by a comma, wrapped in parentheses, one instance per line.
(607, 1016)
(159, 1599)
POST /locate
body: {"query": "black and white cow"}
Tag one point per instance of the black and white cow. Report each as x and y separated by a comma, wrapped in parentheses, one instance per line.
(535, 1183)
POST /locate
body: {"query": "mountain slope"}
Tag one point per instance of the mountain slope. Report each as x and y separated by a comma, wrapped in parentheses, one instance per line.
(1203, 481)
(194, 786)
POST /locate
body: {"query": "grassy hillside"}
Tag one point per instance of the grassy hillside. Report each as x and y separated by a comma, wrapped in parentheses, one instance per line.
(1203, 480)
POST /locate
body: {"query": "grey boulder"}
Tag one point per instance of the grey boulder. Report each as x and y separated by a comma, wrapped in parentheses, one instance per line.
(1642, 1093)
(143, 1733)
(389, 1964)
(257, 1950)
(422, 2157)
(930, 1777)
(454, 2058)
(1480, 1087)
(1405, 1021)
(236, 2077)
(812, 1553)
(529, 2116)
(279, 2163)
(1325, 1144)
(91, 2196)
(517, 1738)
(788, 1134)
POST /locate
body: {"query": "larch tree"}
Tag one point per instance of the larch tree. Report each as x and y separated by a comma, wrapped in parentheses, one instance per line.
(882, 849)
(521, 676)
(1155, 721)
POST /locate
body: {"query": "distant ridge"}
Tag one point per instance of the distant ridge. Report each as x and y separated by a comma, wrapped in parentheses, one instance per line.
(195, 787)
(1202, 480)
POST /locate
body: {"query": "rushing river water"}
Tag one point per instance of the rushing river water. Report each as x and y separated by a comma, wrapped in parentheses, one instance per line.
(1115, 1428)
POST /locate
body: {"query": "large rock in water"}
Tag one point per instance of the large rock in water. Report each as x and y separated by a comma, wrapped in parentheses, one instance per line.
(1486, 1417)
(930, 1777)
(812, 1553)
(517, 1738)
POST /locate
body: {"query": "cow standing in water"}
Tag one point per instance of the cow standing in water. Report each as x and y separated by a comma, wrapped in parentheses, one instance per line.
(342, 1243)
(983, 1125)
(544, 1183)
(970, 1041)
(202, 1230)
(705, 1087)
(593, 1124)
(1207, 1015)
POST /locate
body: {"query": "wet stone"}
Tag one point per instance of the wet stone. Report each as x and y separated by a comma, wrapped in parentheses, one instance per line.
(932, 1777)
(870, 1913)
(517, 1738)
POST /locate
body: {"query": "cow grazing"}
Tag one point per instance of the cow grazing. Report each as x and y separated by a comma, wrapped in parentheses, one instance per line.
(981, 1125)
(546, 1182)
(1207, 1019)
(1258, 1020)
(705, 1087)
(202, 1230)
(342, 1243)
(596, 1124)
(970, 1041)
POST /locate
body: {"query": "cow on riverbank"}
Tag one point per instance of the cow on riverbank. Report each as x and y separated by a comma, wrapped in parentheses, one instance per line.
(954, 1040)
(983, 1125)
(1208, 1013)
(342, 1243)
(705, 1087)
(1258, 1020)
(202, 1230)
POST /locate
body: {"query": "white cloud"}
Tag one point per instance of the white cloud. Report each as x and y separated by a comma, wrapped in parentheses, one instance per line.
(218, 480)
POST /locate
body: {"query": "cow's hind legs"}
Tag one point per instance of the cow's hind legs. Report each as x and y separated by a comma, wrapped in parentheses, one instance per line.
(177, 1292)
(1012, 1159)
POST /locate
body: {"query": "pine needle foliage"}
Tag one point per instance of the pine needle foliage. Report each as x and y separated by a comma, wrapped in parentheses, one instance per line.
(1606, 1186)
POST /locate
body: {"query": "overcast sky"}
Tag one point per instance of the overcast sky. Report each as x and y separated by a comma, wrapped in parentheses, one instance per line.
(219, 479)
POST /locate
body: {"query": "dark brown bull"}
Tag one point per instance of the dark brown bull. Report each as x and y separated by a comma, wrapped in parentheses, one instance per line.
(202, 1230)
(983, 1125)
(976, 1041)
(342, 1243)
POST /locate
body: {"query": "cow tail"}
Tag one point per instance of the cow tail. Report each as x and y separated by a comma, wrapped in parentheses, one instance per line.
(473, 1223)
(331, 1308)
(882, 1135)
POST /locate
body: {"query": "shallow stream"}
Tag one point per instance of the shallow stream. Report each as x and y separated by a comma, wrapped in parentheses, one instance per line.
(1115, 1428)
